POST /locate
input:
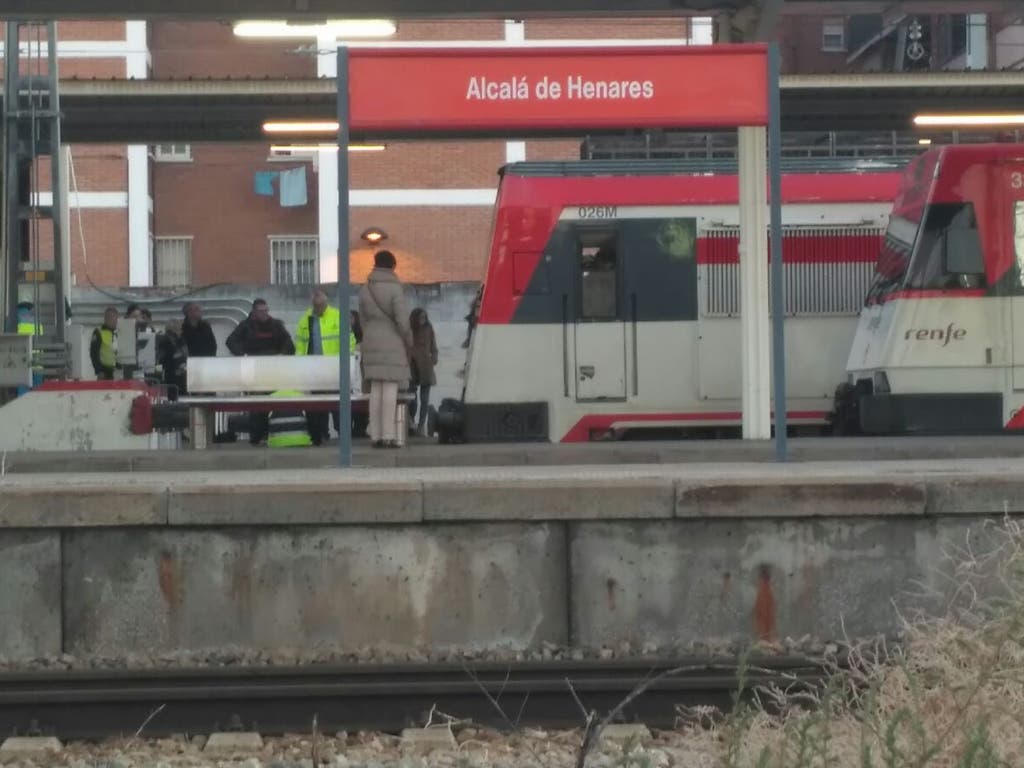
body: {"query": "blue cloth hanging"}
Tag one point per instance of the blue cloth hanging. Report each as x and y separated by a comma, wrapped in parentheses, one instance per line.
(293, 187)
(264, 183)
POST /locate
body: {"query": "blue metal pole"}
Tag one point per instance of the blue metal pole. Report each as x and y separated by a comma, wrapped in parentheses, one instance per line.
(775, 214)
(344, 380)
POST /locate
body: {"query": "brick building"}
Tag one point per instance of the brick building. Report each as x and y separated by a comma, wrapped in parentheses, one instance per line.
(194, 214)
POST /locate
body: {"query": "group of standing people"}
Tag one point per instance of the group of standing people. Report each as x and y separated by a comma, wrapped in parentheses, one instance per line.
(398, 350)
(190, 337)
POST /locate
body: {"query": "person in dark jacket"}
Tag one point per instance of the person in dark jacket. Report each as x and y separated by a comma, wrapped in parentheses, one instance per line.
(260, 335)
(197, 333)
(424, 358)
(171, 356)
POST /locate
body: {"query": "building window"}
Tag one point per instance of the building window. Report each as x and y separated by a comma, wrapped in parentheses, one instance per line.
(172, 153)
(172, 261)
(294, 260)
(833, 34)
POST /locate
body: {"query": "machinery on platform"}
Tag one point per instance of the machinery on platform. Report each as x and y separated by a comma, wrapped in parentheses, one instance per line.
(939, 346)
(611, 300)
(36, 258)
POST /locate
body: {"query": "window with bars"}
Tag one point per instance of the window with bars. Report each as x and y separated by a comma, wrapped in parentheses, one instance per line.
(833, 34)
(172, 261)
(294, 260)
(172, 153)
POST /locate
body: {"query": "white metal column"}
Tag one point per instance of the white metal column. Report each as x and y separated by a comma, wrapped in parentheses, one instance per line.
(754, 320)
(140, 261)
(327, 176)
(515, 32)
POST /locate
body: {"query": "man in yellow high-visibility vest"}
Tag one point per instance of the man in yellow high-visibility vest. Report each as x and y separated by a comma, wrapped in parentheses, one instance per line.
(319, 333)
(27, 327)
(287, 428)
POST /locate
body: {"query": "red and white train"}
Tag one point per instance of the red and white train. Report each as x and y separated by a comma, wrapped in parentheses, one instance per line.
(611, 298)
(939, 347)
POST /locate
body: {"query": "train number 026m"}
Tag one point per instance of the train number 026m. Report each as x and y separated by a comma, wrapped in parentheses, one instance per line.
(598, 212)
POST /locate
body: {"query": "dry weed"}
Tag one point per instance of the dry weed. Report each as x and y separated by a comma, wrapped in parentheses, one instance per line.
(949, 695)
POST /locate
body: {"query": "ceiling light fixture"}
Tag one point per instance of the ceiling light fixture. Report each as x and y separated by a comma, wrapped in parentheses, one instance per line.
(341, 29)
(300, 126)
(373, 235)
(952, 121)
(277, 148)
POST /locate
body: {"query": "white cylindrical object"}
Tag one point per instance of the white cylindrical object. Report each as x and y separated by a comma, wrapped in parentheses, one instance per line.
(305, 373)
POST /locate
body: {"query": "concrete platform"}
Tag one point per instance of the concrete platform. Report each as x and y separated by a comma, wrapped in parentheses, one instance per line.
(424, 453)
(480, 557)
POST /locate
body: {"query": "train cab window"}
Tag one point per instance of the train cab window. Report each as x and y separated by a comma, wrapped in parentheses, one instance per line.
(948, 255)
(598, 260)
(894, 258)
(1018, 238)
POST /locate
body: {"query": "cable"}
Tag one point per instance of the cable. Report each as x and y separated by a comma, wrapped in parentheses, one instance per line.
(85, 257)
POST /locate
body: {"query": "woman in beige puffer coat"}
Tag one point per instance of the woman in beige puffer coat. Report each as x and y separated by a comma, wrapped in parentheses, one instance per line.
(386, 346)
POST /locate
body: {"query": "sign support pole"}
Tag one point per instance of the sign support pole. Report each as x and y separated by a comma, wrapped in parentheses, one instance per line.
(344, 379)
(775, 214)
(753, 257)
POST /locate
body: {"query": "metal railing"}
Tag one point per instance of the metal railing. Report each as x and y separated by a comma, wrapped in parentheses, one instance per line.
(655, 145)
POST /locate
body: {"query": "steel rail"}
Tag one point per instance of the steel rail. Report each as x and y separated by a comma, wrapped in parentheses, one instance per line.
(96, 704)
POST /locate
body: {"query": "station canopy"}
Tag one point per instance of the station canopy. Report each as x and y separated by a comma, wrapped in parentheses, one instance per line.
(168, 111)
(320, 9)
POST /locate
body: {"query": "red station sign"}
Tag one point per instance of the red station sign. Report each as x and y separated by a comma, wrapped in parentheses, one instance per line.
(552, 90)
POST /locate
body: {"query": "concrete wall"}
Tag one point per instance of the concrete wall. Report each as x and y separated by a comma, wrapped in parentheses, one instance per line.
(30, 593)
(140, 563)
(478, 587)
(474, 586)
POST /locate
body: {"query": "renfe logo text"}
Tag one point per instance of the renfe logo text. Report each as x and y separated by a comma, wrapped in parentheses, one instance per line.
(548, 89)
(944, 335)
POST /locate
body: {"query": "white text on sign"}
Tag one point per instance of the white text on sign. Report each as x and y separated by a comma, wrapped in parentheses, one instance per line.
(575, 87)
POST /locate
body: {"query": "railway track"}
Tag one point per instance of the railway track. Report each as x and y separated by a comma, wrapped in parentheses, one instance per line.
(275, 700)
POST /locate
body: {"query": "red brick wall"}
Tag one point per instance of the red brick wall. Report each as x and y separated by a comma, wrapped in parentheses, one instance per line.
(91, 30)
(611, 29)
(451, 29)
(97, 168)
(213, 200)
(106, 238)
(103, 261)
(800, 47)
(211, 50)
(433, 164)
(432, 244)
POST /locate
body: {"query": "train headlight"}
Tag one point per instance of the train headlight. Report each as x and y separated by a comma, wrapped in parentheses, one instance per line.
(880, 383)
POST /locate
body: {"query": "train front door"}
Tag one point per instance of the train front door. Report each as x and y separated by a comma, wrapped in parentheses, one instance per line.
(600, 328)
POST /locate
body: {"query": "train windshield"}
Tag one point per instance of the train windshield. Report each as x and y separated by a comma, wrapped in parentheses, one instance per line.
(894, 259)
